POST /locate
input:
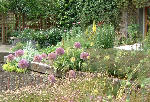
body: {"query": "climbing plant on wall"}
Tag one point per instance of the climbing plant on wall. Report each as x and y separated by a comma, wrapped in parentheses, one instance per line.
(71, 11)
(3, 6)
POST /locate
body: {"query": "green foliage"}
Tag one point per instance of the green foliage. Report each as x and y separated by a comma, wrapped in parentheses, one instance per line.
(13, 67)
(146, 42)
(18, 46)
(133, 33)
(43, 38)
(29, 52)
(3, 6)
(68, 12)
(105, 36)
(70, 60)
(118, 63)
(141, 3)
(49, 49)
(100, 10)
(75, 31)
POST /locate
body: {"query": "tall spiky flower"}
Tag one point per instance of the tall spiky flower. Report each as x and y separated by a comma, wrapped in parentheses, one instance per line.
(94, 27)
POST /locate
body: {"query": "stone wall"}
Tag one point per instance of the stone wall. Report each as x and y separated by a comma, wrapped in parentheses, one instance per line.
(12, 80)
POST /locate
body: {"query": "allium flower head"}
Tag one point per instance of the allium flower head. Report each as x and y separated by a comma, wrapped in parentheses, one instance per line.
(60, 51)
(77, 45)
(44, 55)
(19, 53)
(10, 57)
(51, 78)
(37, 58)
(23, 63)
(72, 74)
(52, 56)
(84, 55)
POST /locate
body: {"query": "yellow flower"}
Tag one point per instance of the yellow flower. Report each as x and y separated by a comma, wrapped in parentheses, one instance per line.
(91, 44)
(67, 50)
(95, 92)
(94, 27)
(73, 59)
(88, 57)
(86, 32)
(107, 57)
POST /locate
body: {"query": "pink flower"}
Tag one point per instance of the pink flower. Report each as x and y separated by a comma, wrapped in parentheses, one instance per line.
(44, 55)
(77, 45)
(23, 63)
(78, 22)
(84, 55)
(37, 58)
(65, 30)
(100, 98)
(10, 57)
(72, 74)
(60, 51)
(51, 78)
(19, 53)
(73, 23)
(52, 56)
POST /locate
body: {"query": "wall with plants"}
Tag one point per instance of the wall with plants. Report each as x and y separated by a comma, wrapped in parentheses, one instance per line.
(70, 11)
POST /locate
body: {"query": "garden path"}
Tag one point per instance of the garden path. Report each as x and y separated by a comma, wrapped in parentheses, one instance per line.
(5, 48)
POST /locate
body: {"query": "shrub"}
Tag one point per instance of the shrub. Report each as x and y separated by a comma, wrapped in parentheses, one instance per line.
(133, 33)
(43, 38)
(105, 37)
(18, 46)
(72, 59)
(119, 63)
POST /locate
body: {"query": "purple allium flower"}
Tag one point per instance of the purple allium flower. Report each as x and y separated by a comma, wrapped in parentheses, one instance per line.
(51, 78)
(37, 58)
(72, 74)
(10, 57)
(44, 55)
(84, 55)
(60, 51)
(23, 63)
(77, 45)
(19, 53)
(52, 56)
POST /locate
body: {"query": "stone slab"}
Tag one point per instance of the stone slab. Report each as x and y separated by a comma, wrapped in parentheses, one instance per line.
(41, 68)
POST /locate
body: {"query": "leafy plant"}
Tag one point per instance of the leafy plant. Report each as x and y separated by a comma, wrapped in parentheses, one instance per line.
(133, 33)
(13, 67)
(105, 37)
(18, 46)
(43, 38)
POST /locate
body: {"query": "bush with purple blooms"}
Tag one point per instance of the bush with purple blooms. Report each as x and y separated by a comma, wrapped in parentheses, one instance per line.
(16, 63)
(71, 58)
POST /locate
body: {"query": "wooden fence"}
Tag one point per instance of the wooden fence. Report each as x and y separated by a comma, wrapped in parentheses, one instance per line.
(10, 22)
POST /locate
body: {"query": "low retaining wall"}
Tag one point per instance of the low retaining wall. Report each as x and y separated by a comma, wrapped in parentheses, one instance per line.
(12, 80)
